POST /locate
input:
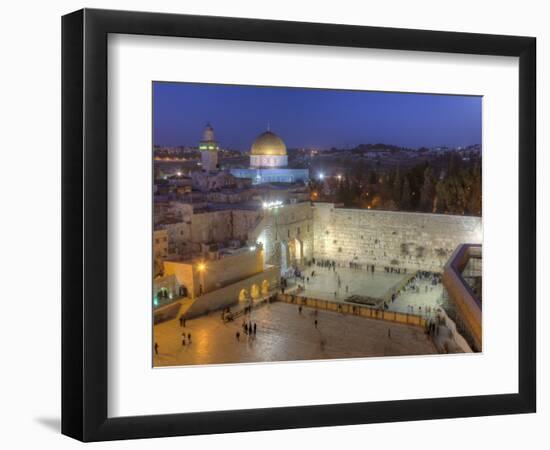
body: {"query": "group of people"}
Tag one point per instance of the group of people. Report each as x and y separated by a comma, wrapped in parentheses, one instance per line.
(429, 279)
(332, 265)
(433, 327)
(183, 341)
(323, 263)
(249, 329)
(368, 267)
(314, 313)
(184, 335)
(398, 270)
(422, 281)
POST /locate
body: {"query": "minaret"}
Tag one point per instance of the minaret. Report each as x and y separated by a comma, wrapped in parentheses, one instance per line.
(209, 147)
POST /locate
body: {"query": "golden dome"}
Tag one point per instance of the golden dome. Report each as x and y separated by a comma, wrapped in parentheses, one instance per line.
(268, 143)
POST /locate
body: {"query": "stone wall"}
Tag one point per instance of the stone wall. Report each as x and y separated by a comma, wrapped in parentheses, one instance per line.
(229, 295)
(416, 241)
(279, 226)
(204, 276)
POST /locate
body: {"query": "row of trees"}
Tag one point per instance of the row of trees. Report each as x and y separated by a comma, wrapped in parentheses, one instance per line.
(454, 188)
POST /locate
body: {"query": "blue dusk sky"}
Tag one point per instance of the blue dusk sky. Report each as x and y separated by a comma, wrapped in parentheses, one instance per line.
(319, 118)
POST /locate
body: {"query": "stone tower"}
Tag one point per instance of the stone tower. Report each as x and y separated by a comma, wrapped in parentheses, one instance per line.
(209, 147)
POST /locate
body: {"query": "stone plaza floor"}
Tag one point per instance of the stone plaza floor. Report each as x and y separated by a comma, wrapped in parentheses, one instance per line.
(358, 282)
(283, 334)
(418, 302)
(361, 282)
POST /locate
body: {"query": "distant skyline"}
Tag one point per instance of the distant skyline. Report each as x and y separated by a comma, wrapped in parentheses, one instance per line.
(321, 118)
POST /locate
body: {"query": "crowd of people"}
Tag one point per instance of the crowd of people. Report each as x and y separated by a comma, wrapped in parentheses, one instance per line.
(422, 281)
(428, 279)
(249, 328)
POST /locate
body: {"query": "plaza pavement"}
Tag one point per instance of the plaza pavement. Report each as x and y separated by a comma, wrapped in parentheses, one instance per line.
(359, 282)
(283, 334)
(413, 302)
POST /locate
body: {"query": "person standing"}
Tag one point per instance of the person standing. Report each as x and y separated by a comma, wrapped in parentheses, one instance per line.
(189, 337)
(156, 348)
(254, 328)
(316, 323)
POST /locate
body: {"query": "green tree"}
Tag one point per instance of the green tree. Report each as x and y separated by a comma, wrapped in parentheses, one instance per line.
(405, 203)
(396, 187)
(427, 192)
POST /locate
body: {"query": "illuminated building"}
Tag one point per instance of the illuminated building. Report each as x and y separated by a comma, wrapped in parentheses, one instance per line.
(269, 161)
(209, 147)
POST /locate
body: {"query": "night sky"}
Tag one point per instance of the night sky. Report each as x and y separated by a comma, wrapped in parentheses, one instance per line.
(318, 118)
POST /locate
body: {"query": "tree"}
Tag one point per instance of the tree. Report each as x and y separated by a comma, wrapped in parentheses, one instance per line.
(405, 202)
(396, 187)
(427, 192)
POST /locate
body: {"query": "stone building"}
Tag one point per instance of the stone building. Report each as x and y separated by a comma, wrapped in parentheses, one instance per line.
(222, 278)
(209, 147)
(160, 249)
(269, 161)
(286, 234)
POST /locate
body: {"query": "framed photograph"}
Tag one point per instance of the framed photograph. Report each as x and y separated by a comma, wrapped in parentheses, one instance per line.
(273, 224)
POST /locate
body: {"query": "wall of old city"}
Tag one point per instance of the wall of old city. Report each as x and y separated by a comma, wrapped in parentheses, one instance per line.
(229, 295)
(203, 275)
(416, 241)
(190, 230)
(281, 225)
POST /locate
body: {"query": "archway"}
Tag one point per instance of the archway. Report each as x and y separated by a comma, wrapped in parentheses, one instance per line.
(163, 293)
(265, 287)
(255, 291)
(295, 251)
(243, 295)
(284, 257)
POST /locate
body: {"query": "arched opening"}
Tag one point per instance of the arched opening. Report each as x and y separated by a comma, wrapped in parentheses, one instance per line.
(265, 287)
(243, 295)
(284, 257)
(163, 293)
(295, 251)
(255, 291)
(183, 291)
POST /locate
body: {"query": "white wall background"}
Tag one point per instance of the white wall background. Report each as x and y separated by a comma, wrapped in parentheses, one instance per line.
(30, 220)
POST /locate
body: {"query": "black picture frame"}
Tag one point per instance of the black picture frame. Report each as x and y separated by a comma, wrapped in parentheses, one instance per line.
(84, 224)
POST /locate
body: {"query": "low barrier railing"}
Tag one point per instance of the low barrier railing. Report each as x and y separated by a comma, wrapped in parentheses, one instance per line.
(397, 287)
(356, 310)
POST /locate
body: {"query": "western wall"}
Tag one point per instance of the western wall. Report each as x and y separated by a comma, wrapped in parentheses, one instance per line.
(416, 241)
